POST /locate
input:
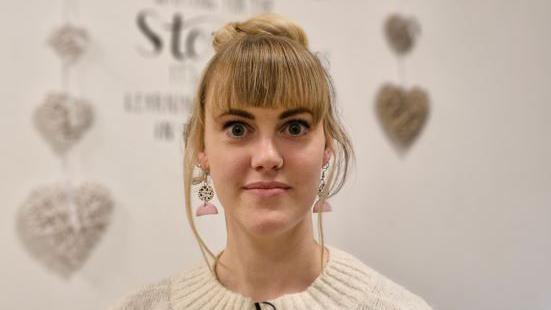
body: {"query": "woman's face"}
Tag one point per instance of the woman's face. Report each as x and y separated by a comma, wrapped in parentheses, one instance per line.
(250, 145)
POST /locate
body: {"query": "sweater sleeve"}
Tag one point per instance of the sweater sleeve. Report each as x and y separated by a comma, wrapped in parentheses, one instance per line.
(151, 297)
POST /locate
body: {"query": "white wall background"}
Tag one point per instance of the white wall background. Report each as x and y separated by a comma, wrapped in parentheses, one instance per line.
(463, 219)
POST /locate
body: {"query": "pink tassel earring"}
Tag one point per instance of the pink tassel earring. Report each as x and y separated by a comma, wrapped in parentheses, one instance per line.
(206, 193)
(322, 205)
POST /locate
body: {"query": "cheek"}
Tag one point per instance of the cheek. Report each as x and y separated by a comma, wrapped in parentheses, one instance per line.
(224, 169)
(304, 169)
(227, 173)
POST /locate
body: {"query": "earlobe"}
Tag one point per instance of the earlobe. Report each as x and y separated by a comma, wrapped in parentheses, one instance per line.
(202, 160)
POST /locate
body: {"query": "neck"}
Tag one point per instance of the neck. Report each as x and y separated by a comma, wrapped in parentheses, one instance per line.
(267, 268)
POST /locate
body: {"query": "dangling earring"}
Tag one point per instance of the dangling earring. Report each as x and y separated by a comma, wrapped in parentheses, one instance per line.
(322, 205)
(206, 193)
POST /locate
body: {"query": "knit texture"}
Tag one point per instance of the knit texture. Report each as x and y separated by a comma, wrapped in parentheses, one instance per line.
(345, 283)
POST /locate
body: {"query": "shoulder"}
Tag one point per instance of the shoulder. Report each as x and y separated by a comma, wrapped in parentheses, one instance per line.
(150, 297)
(378, 291)
(156, 296)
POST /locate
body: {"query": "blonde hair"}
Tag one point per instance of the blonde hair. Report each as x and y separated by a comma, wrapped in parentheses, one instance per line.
(265, 62)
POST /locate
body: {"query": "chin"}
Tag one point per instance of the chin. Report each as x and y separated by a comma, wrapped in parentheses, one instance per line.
(272, 223)
(268, 222)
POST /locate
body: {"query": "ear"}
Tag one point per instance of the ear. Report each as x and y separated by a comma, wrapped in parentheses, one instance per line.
(202, 160)
(327, 154)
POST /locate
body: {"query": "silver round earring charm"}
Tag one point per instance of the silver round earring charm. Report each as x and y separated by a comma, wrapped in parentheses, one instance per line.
(206, 192)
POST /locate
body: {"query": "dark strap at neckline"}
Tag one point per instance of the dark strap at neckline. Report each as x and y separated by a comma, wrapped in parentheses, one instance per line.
(257, 305)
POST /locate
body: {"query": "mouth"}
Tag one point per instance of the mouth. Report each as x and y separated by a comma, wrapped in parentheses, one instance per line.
(267, 189)
(267, 192)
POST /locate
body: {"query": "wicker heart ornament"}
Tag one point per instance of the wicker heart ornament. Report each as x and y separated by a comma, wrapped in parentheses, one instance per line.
(403, 113)
(60, 226)
(69, 42)
(62, 120)
(401, 33)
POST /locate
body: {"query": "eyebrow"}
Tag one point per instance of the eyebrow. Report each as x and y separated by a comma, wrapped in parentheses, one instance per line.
(248, 115)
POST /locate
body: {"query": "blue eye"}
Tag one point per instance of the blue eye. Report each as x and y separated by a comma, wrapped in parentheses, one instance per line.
(235, 129)
(297, 127)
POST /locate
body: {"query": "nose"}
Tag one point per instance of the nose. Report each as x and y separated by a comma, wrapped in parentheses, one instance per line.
(266, 155)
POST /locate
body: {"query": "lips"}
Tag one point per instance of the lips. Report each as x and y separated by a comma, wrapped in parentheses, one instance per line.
(267, 185)
(266, 189)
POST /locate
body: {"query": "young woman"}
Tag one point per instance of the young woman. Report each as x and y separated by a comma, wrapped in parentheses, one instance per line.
(264, 130)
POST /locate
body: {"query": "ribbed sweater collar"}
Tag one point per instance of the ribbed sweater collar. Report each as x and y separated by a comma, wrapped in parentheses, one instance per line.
(339, 286)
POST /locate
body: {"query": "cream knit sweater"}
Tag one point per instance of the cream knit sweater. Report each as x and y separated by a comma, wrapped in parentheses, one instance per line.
(345, 283)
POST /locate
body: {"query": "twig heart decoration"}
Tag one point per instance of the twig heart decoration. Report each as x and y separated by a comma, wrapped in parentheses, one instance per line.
(46, 224)
(401, 33)
(62, 120)
(69, 42)
(403, 113)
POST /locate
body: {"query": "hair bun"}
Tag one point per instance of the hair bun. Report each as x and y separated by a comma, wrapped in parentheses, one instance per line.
(270, 23)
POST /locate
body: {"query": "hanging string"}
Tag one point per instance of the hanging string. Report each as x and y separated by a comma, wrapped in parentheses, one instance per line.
(69, 191)
(401, 71)
(68, 10)
(64, 11)
(65, 160)
(65, 74)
